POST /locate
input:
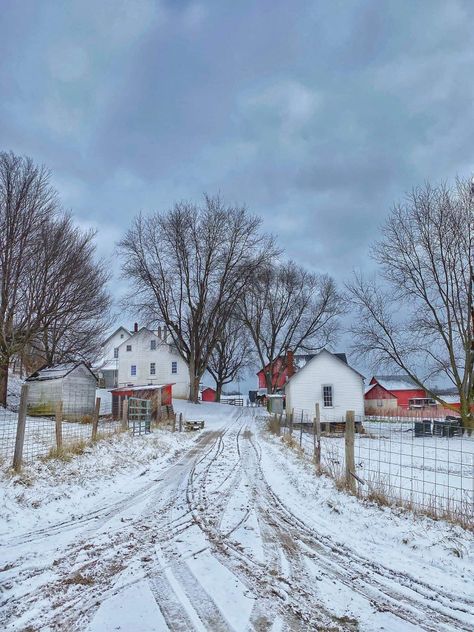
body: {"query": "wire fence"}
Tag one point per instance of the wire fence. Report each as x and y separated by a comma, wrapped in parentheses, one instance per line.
(58, 424)
(426, 465)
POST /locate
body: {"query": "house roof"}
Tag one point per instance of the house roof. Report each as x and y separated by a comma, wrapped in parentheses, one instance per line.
(55, 372)
(113, 334)
(300, 360)
(341, 357)
(396, 382)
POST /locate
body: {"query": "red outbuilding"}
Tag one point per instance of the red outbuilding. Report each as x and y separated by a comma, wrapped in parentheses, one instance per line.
(150, 391)
(401, 390)
(208, 394)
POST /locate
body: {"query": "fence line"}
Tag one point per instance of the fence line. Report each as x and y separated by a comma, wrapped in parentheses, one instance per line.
(424, 465)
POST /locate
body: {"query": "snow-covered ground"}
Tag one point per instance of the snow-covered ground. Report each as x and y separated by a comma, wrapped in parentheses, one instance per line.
(225, 529)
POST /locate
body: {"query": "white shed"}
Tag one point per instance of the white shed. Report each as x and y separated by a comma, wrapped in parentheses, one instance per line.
(328, 380)
(73, 384)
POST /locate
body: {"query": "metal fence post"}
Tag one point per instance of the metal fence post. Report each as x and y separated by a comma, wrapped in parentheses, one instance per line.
(291, 421)
(180, 422)
(59, 425)
(20, 429)
(349, 445)
(95, 419)
(301, 429)
(125, 414)
(317, 436)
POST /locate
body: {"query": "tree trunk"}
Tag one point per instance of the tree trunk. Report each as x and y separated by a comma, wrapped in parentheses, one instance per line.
(4, 382)
(217, 397)
(467, 416)
(193, 383)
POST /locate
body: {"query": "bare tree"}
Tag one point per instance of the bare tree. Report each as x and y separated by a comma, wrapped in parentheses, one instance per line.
(27, 201)
(53, 296)
(188, 267)
(231, 356)
(419, 320)
(288, 308)
(76, 314)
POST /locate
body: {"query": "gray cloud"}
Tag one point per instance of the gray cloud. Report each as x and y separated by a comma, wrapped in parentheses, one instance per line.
(317, 115)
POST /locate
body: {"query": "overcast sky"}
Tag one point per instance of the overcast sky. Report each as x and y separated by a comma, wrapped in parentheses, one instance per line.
(316, 115)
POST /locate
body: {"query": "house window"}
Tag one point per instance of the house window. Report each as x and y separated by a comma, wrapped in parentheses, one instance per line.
(133, 369)
(152, 345)
(121, 335)
(152, 368)
(116, 352)
(327, 396)
(174, 367)
(129, 347)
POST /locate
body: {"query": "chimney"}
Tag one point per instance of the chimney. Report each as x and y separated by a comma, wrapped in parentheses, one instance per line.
(135, 328)
(290, 363)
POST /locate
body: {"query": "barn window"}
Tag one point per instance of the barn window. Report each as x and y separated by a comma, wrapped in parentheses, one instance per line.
(152, 345)
(174, 367)
(152, 368)
(133, 369)
(129, 347)
(327, 396)
(116, 352)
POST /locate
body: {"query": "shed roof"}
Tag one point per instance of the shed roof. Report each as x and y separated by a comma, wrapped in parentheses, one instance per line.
(396, 382)
(145, 387)
(57, 371)
(341, 357)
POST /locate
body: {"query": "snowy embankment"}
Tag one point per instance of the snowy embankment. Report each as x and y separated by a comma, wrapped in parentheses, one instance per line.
(224, 529)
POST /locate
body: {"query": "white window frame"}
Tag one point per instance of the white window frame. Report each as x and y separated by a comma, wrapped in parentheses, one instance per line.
(323, 386)
(174, 367)
(152, 368)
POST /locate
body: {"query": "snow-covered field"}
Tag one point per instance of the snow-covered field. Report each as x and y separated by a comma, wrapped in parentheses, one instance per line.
(225, 529)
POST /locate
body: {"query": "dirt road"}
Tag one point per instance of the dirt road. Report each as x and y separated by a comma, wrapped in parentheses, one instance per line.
(207, 544)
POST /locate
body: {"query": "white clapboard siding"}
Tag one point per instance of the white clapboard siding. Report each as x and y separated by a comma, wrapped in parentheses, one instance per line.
(305, 388)
(142, 355)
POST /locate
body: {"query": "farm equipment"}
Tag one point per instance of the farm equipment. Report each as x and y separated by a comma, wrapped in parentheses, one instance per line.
(189, 426)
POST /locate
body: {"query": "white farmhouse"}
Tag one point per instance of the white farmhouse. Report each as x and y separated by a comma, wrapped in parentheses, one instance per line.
(326, 379)
(147, 358)
(106, 367)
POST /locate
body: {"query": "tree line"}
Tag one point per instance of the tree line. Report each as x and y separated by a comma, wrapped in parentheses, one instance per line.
(227, 295)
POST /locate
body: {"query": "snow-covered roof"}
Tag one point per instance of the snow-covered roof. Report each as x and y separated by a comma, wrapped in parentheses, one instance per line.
(147, 387)
(113, 334)
(396, 382)
(55, 372)
(339, 356)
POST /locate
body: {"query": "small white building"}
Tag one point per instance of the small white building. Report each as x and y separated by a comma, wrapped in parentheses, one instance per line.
(328, 380)
(106, 366)
(148, 358)
(73, 384)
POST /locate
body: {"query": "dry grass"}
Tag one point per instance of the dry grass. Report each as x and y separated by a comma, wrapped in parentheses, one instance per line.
(273, 425)
(78, 579)
(86, 419)
(66, 452)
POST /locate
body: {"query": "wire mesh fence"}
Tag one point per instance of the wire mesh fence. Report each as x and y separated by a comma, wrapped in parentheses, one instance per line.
(66, 422)
(426, 465)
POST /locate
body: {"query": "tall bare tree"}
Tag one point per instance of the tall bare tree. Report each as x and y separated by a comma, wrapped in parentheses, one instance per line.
(288, 308)
(419, 319)
(231, 355)
(188, 267)
(51, 285)
(27, 201)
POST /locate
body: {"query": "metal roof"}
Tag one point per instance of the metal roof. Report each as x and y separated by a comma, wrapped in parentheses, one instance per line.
(396, 382)
(55, 372)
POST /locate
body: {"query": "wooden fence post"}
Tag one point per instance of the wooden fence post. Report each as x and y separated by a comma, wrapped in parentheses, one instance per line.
(279, 425)
(301, 430)
(181, 422)
(349, 444)
(20, 429)
(317, 436)
(125, 414)
(95, 419)
(59, 425)
(291, 421)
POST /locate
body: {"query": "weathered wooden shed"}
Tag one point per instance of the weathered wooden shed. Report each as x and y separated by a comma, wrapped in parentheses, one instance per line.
(162, 393)
(72, 383)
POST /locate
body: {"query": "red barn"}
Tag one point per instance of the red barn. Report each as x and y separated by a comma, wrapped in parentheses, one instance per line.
(401, 390)
(208, 394)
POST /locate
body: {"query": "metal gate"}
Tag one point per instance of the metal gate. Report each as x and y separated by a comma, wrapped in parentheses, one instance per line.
(139, 415)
